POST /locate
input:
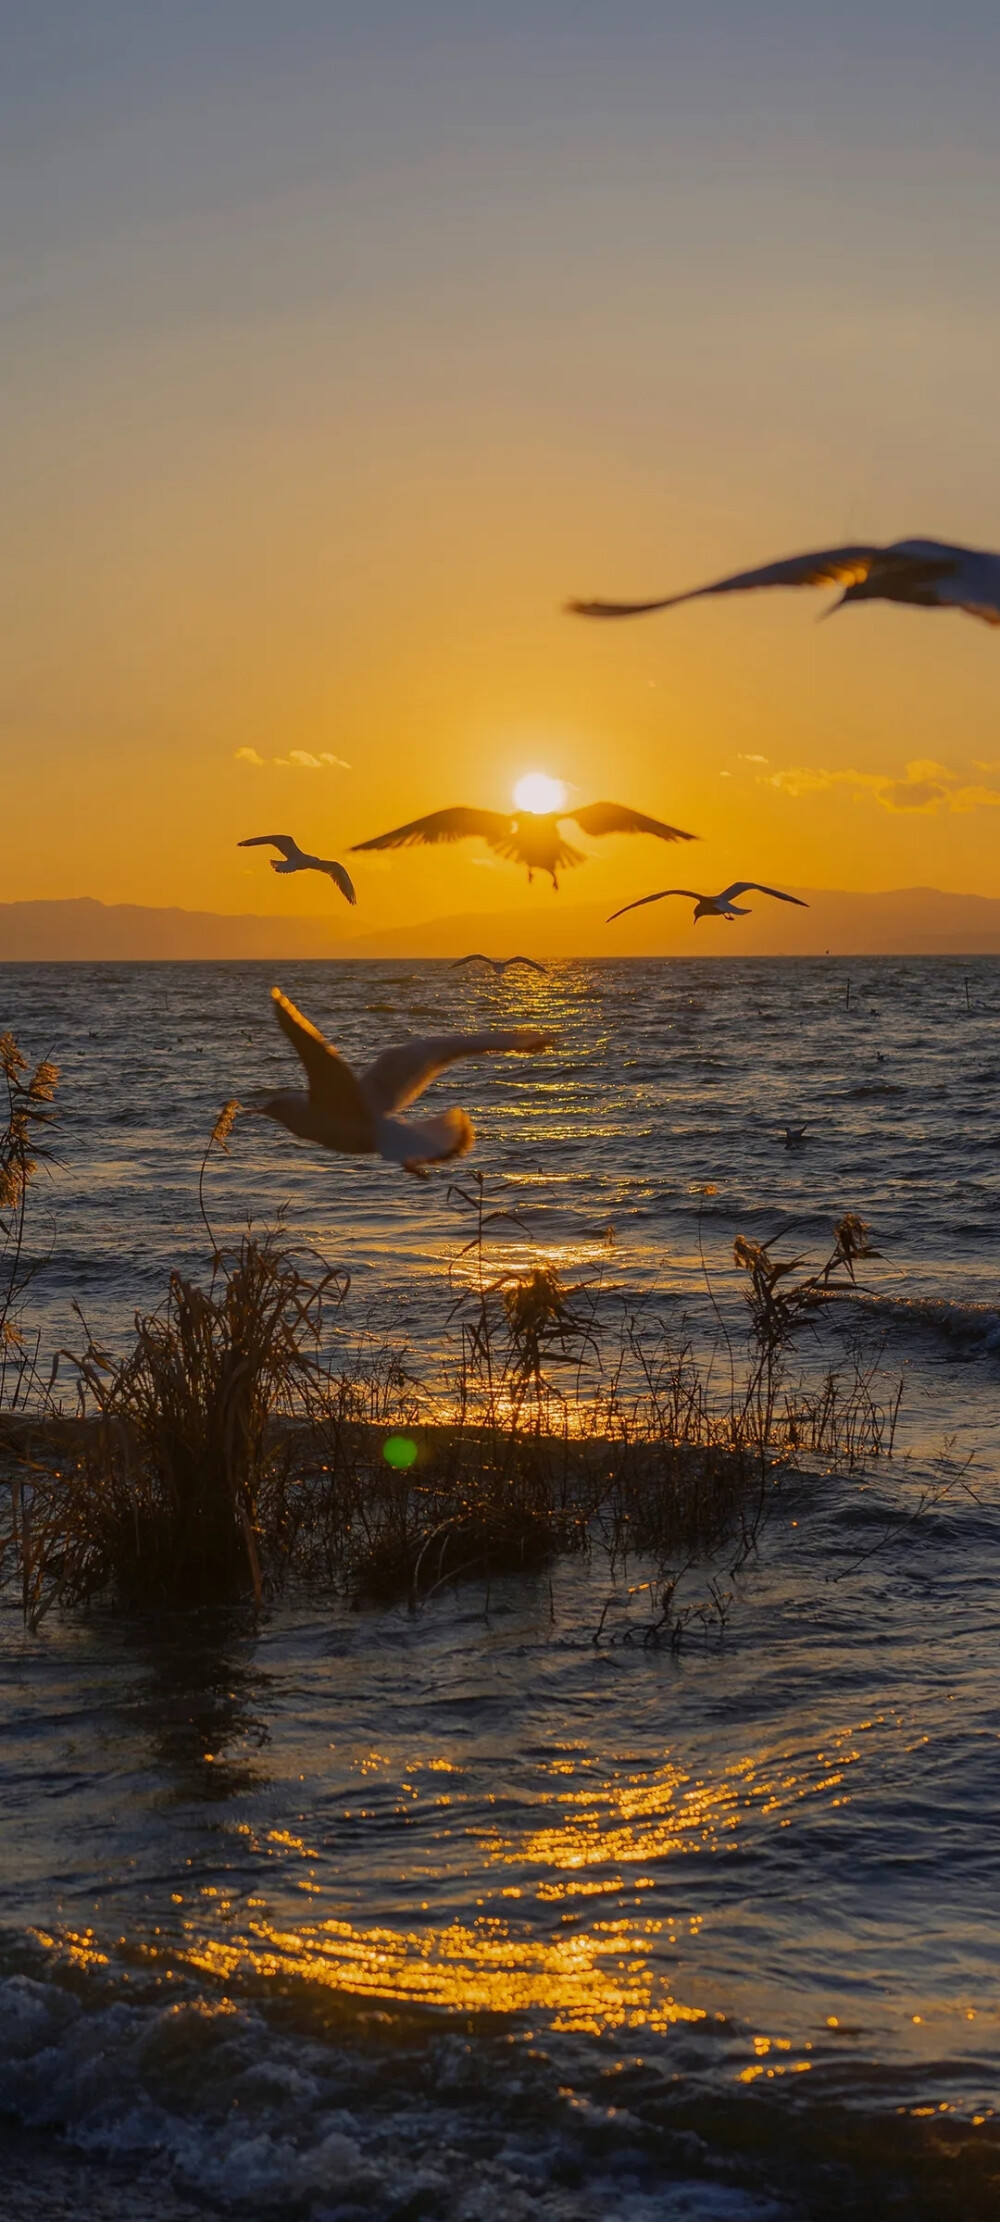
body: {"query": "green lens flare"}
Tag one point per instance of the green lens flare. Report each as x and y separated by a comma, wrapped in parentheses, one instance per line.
(400, 1450)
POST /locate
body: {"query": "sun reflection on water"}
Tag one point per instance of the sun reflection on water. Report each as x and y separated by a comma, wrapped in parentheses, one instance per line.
(636, 1817)
(586, 1981)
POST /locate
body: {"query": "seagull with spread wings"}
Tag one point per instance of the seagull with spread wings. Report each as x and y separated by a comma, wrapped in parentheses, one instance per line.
(296, 860)
(356, 1113)
(714, 906)
(930, 574)
(499, 965)
(529, 837)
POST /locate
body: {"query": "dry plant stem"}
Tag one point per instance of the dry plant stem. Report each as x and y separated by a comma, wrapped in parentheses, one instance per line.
(22, 1149)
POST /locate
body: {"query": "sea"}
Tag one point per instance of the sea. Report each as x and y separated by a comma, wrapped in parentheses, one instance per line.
(490, 1909)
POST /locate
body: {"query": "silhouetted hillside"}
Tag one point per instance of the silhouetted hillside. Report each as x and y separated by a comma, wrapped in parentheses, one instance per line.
(916, 921)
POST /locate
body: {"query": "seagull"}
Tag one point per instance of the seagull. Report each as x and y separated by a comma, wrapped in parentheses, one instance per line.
(528, 837)
(795, 1136)
(499, 965)
(296, 860)
(932, 574)
(714, 906)
(355, 1114)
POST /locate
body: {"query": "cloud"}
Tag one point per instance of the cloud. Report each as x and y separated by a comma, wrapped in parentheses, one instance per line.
(926, 787)
(297, 759)
(310, 763)
(753, 759)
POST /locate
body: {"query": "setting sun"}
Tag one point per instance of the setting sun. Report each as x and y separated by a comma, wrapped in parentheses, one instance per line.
(537, 792)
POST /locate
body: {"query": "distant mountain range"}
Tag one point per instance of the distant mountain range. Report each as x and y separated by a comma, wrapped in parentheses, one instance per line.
(904, 921)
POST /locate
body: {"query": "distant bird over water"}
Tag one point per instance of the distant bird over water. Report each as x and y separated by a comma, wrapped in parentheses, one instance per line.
(530, 833)
(356, 1114)
(714, 906)
(795, 1136)
(930, 574)
(499, 965)
(296, 860)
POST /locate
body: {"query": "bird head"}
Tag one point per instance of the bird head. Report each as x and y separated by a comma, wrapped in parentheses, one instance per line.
(289, 1107)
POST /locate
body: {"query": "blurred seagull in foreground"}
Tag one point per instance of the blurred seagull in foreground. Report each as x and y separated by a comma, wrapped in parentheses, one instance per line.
(930, 574)
(525, 835)
(356, 1113)
(714, 906)
(499, 965)
(296, 860)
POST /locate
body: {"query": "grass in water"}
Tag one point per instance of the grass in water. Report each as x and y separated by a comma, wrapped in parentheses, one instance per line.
(236, 1446)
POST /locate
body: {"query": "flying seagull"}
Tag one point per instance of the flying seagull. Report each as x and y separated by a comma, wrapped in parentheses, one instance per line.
(795, 1136)
(296, 860)
(356, 1114)
(932, 574)
(714, 906)
(499, 965)
(528, 837)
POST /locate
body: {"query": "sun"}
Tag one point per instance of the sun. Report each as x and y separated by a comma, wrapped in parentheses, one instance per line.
(538, 793)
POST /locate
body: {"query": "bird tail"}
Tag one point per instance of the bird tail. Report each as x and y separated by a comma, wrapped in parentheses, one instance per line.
(419, 1142)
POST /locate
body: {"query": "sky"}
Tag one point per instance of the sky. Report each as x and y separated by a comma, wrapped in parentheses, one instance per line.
(341, 344)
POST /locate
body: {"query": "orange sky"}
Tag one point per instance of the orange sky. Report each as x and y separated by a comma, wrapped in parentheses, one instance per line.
(328, 381)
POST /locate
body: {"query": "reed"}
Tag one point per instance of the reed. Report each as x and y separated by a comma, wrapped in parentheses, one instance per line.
(23, 1148)
(165, 1501)
(238, 1445)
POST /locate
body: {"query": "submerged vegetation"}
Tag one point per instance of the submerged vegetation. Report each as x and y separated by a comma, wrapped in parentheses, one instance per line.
(243, 1442)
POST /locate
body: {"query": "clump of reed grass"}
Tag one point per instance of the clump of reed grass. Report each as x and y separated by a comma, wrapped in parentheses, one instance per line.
(166, 1500)
(23, 1147)
(233, 1448)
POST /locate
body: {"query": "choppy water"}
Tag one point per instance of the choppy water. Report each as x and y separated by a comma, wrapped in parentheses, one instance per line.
(460, 1914)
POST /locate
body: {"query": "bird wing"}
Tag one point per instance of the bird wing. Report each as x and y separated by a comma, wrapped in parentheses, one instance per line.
(399, 1075)
(475, 957)
(964, 578)
(750, 887)
(616, 817)
(339, 877)
(529, 961)
(282, 841)
(641, 899)
(331, 1082)
(827, 567)
(442, 825)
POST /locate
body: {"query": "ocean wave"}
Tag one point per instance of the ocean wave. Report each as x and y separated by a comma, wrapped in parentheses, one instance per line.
(248, 2116)
(969, 1323)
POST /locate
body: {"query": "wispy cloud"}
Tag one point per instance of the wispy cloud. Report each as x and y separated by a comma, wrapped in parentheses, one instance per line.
(745, 759)
(297, 759)
(927, 787)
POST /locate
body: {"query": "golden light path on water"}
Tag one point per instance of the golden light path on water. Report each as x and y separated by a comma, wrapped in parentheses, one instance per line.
(632, 1817)
(585, 1982)
(613, 1975)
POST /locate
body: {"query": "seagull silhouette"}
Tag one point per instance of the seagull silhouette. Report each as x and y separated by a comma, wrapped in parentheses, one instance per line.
(529, 837)
(296, 860)
(795, 1136)
(931, 574)
(714, 906)
(499, 965)
(356, 1114)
